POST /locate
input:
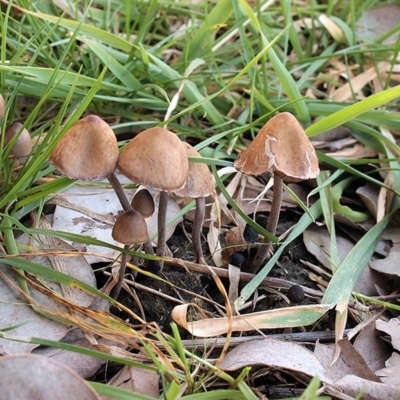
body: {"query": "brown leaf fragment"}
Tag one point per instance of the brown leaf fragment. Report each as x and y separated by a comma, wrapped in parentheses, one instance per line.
(137, 380)
(390, 264)
(325, 353)
(377, 21)
(275, 353)
(27, 376)
(353, 385)
(392, 328)
(318, 242)
(390, 375)
(85, 366)
(371, 347)
(369, 194)
(355, 362)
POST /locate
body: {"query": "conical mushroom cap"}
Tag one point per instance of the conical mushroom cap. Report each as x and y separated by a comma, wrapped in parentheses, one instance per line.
(143, 202)
(23, 145)
(130, 228)
(88, 150)
(281, 147)
(200, 182)
(155, 158)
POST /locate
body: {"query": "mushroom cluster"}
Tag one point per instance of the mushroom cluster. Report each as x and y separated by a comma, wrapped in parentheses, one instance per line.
(282, 148)
(156, 158)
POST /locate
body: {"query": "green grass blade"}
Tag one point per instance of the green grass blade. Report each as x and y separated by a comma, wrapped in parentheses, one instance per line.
(344, 281)
(304, 222)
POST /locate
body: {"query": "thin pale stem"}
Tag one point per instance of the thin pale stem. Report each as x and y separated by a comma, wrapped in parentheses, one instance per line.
(162, 216)
(263, 251)
(121, 274)
(197, 229)
(119, 191)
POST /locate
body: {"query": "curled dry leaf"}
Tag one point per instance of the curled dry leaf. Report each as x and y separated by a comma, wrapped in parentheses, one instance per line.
(272, 319)
(275, 353)
(27, 376)
(392, 328)
(390, 375)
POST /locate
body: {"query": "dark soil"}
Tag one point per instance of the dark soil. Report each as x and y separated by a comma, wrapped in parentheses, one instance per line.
(189, 284)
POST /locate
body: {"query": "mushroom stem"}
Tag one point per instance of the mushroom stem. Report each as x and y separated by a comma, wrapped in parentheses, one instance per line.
(121, 274)
(126, 206)
(263, 251)
(119, 191)
(197, 229)
(162, 216)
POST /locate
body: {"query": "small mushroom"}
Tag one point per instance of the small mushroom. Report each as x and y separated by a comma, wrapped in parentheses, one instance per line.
(199, 185)
(130, 228)
(2, 106)
(281, 147)
(157, 159)
(143, 202)
(22, 144)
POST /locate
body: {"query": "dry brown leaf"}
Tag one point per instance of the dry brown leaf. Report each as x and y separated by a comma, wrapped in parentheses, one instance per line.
(373, 349)
(369, 195)
(136, 380)
(27, 376)
(271, 319)
(390, 264)
(14, 310)
(356, 151)
(84, 365)
(377, 21)
(353, 385)
(392, 328)
(390, 375)
(318, 242)
(275, 353)
(355, 85)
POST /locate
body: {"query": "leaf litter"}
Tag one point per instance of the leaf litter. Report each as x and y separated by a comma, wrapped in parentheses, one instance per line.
(354, 369)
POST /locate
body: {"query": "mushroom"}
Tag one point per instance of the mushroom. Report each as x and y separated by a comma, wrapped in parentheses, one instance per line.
(130, 228)
(281, 147)
(199, 185)
(2, 106)
(156, 158)
(89, 151)
(22, 144)
(143, 202)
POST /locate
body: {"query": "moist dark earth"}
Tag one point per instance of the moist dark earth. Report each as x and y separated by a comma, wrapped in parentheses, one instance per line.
(158, 309)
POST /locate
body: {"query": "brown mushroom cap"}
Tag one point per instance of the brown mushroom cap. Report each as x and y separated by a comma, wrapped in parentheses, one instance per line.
(130, 228)
(200, 182)
(2, 106)
(88, 150)
(155, 158)
(143, 202)
(23, 145)
(281, 147)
